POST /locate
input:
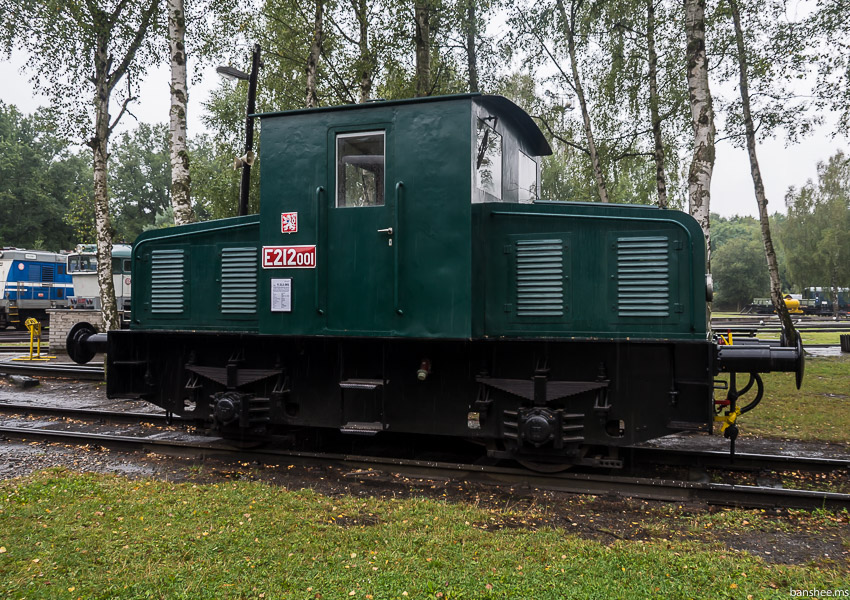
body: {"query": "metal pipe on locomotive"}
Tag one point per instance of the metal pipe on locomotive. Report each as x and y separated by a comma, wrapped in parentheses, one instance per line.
(404, 277)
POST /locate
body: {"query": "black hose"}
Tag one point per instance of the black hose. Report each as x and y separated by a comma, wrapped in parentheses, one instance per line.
(759, 392)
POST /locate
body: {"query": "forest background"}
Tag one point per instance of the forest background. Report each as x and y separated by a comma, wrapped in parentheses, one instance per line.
(606, 80)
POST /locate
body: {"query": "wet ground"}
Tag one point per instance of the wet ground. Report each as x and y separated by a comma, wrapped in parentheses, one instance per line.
(782, 537)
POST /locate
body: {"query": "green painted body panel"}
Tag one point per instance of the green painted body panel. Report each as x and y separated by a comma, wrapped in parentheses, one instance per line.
(201, 276)
(589, 271)
(459, 265)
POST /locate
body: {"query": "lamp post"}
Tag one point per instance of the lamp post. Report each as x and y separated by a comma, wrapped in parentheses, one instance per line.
(248, 159)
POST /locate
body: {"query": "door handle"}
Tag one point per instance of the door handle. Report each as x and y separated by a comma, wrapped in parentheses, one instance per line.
(388, 231)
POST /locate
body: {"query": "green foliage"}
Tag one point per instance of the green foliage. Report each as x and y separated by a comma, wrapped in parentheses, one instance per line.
(139, 179)
(738, 265)
(739, 272)
(778, 45)
(80, 217)
(816, 235)
(60, 39)
(215, 184)
(827, 37)
(39, 177)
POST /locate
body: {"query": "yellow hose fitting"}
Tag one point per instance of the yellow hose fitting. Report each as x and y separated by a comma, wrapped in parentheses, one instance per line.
(728, 419)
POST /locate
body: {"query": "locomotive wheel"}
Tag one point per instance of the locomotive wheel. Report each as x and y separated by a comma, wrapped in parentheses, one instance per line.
(539, 467)
(533, 465)
(544, 467)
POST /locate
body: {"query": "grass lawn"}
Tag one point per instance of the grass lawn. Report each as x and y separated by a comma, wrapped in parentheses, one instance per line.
(820, 410)
(65, 535)
(830, 338)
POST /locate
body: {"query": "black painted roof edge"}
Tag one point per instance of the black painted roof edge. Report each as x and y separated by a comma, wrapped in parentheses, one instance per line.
(521, 120)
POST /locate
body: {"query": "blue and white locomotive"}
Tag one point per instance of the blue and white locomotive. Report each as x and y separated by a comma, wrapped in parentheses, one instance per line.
(31, 281)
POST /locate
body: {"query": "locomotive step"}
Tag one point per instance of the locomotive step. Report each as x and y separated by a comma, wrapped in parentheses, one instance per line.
(362, 428)
(361, 384)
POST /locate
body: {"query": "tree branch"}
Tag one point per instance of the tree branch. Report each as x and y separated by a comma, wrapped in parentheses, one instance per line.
(121, 112)
(118, 73)
(559, 137)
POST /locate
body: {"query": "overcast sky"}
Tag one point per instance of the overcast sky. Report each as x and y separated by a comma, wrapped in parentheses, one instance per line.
(731, 188)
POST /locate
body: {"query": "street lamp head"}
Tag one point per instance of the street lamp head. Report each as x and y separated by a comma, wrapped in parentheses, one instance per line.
(232, 74)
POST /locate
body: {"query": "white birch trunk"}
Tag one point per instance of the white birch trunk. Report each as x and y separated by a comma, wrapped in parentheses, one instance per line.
(422, 41)
(471, 43)
(365, 62)
(311, 99)
(181, 201)
(758, 183)
(658, 154)
(702, 116)
(103, 227)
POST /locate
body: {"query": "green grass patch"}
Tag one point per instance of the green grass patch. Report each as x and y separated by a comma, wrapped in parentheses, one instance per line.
(829, 338)
(819, 411)
(65, 535)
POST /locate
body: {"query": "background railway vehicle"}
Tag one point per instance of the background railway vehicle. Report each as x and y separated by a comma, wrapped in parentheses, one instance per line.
(82, 265)
(813, 301)
(404, 277)
(31, 281)
(818, 301)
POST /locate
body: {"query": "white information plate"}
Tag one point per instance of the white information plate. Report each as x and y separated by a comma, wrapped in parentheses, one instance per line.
(281, 295)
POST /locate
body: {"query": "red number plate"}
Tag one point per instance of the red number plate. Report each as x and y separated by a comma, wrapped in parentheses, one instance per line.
(289, 257)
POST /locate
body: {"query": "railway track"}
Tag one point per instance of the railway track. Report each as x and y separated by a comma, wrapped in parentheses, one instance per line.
(165, 441)
(742, 461)
(89, 372)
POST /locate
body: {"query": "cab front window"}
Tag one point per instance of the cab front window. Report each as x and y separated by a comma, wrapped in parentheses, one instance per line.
(360, 169)
(78, 264)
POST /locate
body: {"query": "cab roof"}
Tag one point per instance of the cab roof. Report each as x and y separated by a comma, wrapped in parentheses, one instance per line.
(524, 124)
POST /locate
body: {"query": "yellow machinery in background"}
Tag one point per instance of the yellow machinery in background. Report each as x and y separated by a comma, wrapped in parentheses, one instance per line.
(34, 328)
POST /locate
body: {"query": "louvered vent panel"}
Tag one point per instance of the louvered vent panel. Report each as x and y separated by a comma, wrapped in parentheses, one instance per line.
(643, 277)
(239, 280)
(47, 273)
(167, 286)
(540, 278)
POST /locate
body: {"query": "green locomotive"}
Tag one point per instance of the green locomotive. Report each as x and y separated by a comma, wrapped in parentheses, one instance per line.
(403, 276)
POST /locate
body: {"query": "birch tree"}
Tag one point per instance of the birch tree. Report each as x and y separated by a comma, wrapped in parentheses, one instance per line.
(658, 146)
(554, 34)
(702, 118)
(758, 183)
(98, 45)
(640, 107)
(422, 44)
(569, 21)
(181, 201)
(311, 99)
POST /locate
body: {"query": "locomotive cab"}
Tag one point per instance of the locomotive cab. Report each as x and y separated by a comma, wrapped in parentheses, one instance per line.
(385, 191)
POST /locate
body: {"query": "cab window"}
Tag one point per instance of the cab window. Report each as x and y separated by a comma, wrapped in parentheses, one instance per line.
(360, 169)
(527, 178)
(488, 160)
(82, 263)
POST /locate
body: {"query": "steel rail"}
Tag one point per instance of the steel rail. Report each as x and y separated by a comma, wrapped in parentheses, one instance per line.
(87, 372)
(576, 483)
(742, 461)
(110, 416)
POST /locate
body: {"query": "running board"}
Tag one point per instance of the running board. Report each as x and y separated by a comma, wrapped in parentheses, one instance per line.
(362, 428)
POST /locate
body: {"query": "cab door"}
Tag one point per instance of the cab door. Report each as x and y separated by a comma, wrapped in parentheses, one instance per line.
(361, 232)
